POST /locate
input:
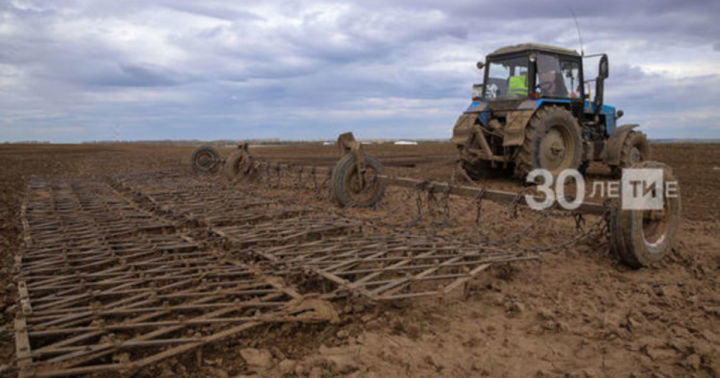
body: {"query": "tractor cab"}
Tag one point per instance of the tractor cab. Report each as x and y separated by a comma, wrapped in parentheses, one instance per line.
(542, 72)
(534, 110)
(532, 71)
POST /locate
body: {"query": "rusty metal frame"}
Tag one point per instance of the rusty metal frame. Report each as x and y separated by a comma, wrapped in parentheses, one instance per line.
(105, 285)
(494, 195)
(119, 273)
(391, 266)
(379, 266)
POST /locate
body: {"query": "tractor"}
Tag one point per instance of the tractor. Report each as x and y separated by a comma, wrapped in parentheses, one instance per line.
(535, 110)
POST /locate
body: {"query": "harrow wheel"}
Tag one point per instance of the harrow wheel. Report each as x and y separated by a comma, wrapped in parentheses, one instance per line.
(354, 187)
(240, 166)
(644, 237)
(205, 159)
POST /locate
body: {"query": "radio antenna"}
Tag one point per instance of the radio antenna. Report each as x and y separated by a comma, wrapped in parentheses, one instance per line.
(577, 26)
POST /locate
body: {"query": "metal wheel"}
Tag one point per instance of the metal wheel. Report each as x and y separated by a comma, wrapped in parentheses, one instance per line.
(234, 166)
(354, 188)
(655, 224)
(644, 237)
(241, 166)
(205, 159)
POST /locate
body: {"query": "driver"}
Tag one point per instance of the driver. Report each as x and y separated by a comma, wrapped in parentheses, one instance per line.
(547, 82)
(552, 84)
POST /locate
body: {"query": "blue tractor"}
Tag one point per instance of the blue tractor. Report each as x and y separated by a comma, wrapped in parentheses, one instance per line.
(534, 110)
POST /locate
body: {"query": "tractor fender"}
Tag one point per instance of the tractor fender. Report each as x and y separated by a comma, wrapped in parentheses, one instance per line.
(465, 124)
(517, 120)
(611, 155)
(463, 128)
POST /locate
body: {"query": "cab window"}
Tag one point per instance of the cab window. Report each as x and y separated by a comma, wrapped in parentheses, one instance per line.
(507, 78)
(549, 78)
(558, 77)
(571, 76)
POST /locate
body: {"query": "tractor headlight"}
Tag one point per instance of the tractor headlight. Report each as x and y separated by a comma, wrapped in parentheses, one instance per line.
(477, 91)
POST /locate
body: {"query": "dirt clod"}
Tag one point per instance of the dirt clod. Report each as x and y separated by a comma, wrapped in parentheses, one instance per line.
(287, 366)
(693, 362)
(216, 372)
(545, 314)
(257, 359)
(514, 308)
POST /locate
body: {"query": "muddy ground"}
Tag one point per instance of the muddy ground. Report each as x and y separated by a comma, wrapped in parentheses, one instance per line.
(576, 311)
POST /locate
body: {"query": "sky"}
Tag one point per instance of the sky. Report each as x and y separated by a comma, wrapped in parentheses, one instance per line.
(81, 70)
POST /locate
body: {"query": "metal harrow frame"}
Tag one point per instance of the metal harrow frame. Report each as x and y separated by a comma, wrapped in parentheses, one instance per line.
(118, 273)
(105, 285)
(356, 260)
(640, 237)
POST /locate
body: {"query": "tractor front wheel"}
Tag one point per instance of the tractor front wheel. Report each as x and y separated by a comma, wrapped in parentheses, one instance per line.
(552, 142)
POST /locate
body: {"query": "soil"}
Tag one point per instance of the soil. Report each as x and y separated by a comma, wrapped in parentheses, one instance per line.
(575, 312)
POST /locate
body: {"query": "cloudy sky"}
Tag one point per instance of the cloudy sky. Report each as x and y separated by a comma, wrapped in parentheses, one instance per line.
(80, 70)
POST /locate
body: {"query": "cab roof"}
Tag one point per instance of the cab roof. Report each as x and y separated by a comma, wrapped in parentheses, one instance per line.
(533, 47)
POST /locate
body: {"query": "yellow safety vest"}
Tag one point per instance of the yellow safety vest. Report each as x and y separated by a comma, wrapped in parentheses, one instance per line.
(518, 85)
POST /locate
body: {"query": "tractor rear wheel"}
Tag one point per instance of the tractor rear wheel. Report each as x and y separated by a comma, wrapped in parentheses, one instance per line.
(552, 142)
(644, 237)
(205, 159)
(635, 150)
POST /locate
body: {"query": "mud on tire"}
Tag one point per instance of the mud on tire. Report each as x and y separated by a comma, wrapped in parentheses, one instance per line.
(635, 149)
(344, 178)
(552, 141)
(642, 237)
(205, 159)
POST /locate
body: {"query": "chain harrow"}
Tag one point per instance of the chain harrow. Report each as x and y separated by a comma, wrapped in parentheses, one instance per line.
(121, 272)
(431, 207)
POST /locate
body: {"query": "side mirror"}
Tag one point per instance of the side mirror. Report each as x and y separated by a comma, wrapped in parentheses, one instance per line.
(480, 65)
(619, 114)
(604, 67)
